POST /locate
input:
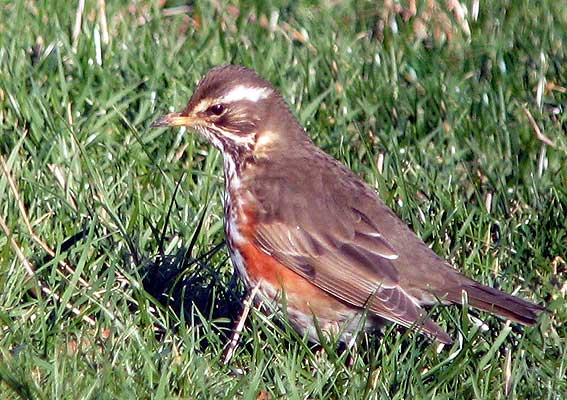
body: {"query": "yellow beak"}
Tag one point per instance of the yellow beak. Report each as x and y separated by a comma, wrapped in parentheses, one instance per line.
(173, 119)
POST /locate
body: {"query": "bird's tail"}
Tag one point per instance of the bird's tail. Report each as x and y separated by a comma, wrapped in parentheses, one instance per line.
(497, 302)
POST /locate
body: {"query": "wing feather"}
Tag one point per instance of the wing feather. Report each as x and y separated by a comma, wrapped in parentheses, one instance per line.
(361, 277)
(330, 235)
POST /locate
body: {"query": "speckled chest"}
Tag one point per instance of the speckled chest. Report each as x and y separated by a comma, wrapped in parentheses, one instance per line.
(234, 217)
(237, 225)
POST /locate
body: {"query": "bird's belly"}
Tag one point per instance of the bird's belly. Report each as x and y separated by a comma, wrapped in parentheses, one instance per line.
(302, 301)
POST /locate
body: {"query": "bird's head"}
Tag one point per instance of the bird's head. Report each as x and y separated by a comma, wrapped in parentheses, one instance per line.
(237, 111)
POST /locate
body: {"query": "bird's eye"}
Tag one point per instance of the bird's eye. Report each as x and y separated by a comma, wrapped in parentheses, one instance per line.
(216, 109)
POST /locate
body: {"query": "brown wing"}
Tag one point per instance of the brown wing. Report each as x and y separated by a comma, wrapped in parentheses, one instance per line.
(323, 238)
(361, 275)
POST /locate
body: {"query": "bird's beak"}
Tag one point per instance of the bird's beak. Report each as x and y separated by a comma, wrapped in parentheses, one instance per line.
(173, 119)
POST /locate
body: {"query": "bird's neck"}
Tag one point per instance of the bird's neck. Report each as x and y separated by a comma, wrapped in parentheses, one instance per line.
(269, 145)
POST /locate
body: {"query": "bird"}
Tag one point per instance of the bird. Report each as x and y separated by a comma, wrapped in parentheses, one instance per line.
(311, 236)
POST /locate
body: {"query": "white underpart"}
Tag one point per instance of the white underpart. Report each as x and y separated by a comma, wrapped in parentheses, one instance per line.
(232, 210)
(241, 92)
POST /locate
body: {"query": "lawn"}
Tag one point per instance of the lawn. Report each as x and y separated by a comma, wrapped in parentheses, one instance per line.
(113, 279)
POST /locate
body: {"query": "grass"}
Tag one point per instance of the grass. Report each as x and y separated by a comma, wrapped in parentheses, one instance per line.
(438, 127)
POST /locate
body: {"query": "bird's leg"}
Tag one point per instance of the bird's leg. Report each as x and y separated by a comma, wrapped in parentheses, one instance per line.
(233, 343)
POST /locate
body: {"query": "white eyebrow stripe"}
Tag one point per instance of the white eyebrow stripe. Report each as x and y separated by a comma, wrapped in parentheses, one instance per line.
(241, 92)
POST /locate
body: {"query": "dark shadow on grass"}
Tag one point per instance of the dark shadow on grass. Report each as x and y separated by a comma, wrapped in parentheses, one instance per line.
(192, 287)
